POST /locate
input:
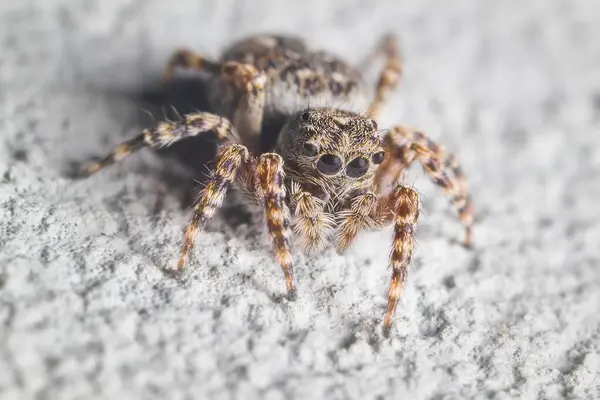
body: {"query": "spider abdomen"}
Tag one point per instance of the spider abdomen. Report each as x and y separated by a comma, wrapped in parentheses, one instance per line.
(297, 77)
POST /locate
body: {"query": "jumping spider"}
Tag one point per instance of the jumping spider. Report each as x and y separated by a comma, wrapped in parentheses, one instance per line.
(328, 174)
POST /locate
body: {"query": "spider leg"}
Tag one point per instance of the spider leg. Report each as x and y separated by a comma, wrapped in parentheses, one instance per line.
(231, 160)
(271, 182)
(188, 59)
(245, 83)
(405, 208)
(165, 134)
(405, 146)
(368, 211)
(248, 86)
(311, 222)
(389, 76)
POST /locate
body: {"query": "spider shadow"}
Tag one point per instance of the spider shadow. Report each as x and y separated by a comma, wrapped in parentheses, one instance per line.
(193, 157)
(197, 154)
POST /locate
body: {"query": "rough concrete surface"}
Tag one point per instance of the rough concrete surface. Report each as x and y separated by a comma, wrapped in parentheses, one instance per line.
(85, 311)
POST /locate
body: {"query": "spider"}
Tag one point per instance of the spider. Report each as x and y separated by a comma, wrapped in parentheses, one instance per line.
(294, 138)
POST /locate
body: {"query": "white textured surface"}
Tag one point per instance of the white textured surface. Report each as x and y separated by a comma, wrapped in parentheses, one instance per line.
(513, 87)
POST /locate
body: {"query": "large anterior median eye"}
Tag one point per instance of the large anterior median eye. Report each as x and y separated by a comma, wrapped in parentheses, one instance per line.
(357, 167)
(329, 164)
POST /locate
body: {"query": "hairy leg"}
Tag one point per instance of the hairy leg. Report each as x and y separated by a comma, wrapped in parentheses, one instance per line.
(248, 85)
(245, 83)
(390, 75)
(189, 60)
(271, 181)
(231, 160)
(165, 134)
(405, 146)
(405, 208)
(311, 222)
(368, 211)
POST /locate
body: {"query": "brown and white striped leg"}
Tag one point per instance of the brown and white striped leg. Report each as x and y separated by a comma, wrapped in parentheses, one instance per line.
(231, 160)
(189, 60)
(390, 75)
(270, 177)
(248, 86)
(165, 134)
(311, 223)
(406, 213)
(245, 82)
(404, 146)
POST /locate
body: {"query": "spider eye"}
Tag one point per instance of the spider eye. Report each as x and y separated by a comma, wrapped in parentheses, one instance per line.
(329, 164)
(309, 149)
(357, 167)
(378, 157)
(305, 116)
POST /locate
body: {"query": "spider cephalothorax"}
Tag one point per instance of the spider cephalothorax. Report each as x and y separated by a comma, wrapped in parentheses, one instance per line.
(335, 150)
(329, 173)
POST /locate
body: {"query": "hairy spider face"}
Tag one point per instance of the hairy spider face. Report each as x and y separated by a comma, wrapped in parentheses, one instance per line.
(331, 147)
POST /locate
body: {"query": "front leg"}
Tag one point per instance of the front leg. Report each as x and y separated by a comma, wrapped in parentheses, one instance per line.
(271, 183)
(405, 207)
(232, 160)
(368, 211)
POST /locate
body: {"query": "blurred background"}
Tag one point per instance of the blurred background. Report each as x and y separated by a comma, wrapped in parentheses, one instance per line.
(511, 87)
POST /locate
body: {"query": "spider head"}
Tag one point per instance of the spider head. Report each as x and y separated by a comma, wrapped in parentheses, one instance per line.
(331, 147)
